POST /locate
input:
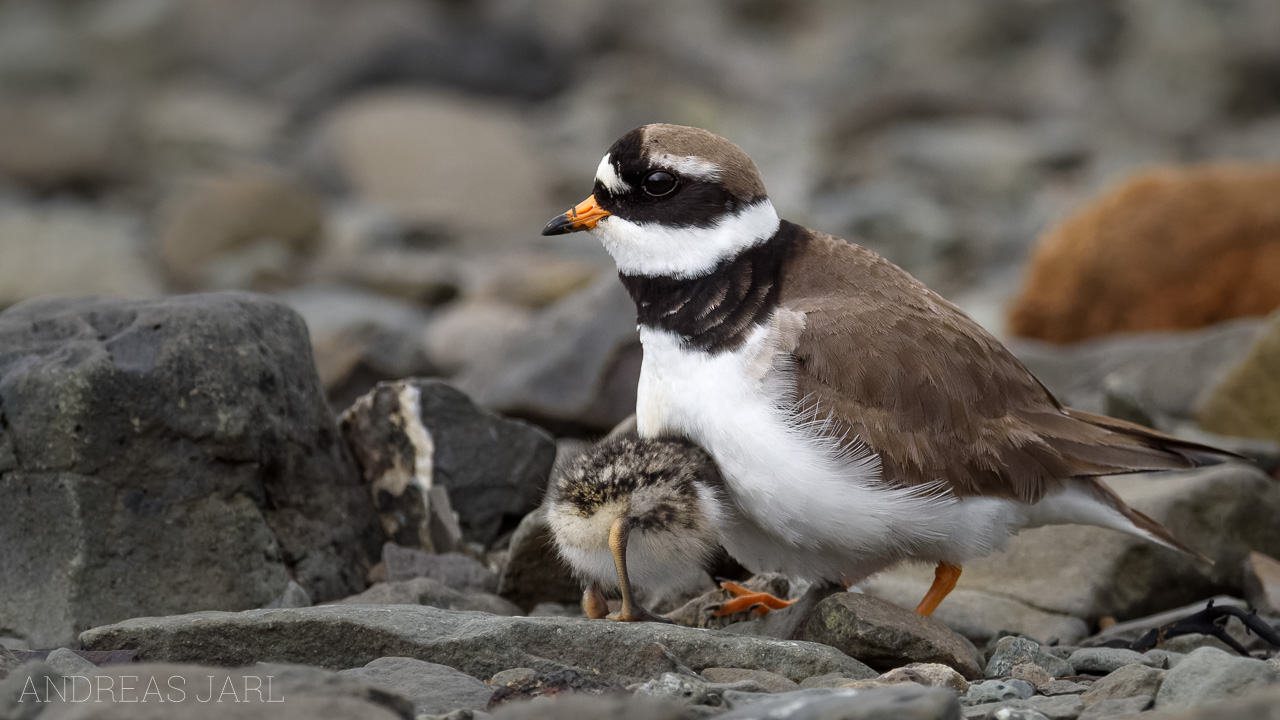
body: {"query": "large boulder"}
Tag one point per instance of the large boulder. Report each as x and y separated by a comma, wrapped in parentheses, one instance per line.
(167, 456)
(1187, 240)
(1247, 401)
(480, 645)
(413, 436)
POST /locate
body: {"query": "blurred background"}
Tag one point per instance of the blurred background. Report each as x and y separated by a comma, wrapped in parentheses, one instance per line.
(385, 166)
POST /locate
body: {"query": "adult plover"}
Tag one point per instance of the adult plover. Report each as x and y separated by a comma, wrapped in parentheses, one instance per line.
(628, 509)
(858, 418)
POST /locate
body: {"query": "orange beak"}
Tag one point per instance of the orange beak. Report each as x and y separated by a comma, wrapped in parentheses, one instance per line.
(583, 216)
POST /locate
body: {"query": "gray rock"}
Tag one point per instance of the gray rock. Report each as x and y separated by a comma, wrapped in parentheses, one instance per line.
(1011, 651)
(1062, 687)
(294, 595)
(587, 707)
(1032, 673)
(1100, 661)
(512, 675)
(67, 662)
(16, 701)
(430, 687)
(763, 679)
(999, 690)
(135, 417)
(343, 636)
(829, 680)
(929, 675)
(1010, 713)
(1163, 659)
(1085, 572)
(676, 688)
(885, 636)
(1262, 582)
(1116, 708)
(1209, 674)
(1189, 643)
(425, 591)
(577, 366)
(411, 435)
(8, 662)
(534, 572)
(903, 702)
(456, 570)
(1125, 682)
(262, 691)
(1058, 707)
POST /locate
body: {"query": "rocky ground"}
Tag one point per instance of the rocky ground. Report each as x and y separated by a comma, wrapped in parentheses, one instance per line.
(325, 492)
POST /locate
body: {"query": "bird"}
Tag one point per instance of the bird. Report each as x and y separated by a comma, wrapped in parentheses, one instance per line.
(628, 508)
(858, 419)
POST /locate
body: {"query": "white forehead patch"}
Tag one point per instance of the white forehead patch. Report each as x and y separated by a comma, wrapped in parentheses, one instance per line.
(607, 174)
(689, 166)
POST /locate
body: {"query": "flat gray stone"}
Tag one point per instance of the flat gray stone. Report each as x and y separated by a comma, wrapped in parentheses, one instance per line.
(902, 702)
(767, 681)
(426, 591)
(1128, 681)
(432, 688)
(1209, 674)
(1059, 707)
(345, 636)
(1116, 708)
(1163, 659)
(1011, 651)
(592, 707)
(681, 689)
(991, 691)
(458, 571)
(1100, 661)
(69, 663)
(886, 636)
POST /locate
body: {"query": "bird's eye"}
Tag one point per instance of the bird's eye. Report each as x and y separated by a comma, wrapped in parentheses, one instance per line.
(659, 183)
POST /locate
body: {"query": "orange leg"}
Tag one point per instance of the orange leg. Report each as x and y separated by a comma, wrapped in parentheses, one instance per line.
(944, 581)
(744, 599)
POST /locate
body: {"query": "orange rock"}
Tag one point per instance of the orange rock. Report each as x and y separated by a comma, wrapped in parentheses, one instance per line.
(1171, 249)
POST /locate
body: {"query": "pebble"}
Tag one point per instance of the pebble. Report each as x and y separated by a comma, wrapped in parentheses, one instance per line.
(999, 690)
(1062, 687)
(830, 680)
(1128, 681)
(678, 688)
(507, 677)
(1163, 659)
(767, 681)
(1116, 708)
(1100, 661)
(1011, 651)
(929, 675)
(1186, 644)
(900, 702)
(1061, 707)
(68, 663)
(1030, 672)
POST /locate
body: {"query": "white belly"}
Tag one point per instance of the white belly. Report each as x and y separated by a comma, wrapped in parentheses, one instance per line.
(803, 504)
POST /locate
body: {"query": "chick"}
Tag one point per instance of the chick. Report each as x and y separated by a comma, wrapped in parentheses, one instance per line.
(629, 510)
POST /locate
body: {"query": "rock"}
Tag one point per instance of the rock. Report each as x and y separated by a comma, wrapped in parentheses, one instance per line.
(1246, 402)
(765, 680)
(294, 596)
(1032, 673)
(412, 435)
(1100, 661)
(1059, 707)
(244, 228)
(129, 419)
(548, 684)
(30, 676)
(465, 334)
(577, 366)
(680, 688)
(929, 675)
(8, 663)
(1125, 682)
(885, 636)
(1209, 674)
(1012, 651)
(1257, 705)
(342, 636)
(1131, 630)
(1163, 373)
(902, 702)
(990, 691)
(431, 592)
(159, 691)
(1117, 708)
(1186, 644)
(699, 611)
(1262, 582)
(67, 663)
(1062, 687)
(422, 278)
(507, 677)
(977, 615)
(36, 242)
(430, 687)
(1225, 511)
(429, 156)
(829, 680)
(456, 570)
(587, 707)
(183, 125)
(53, 140)
(1192, 236)
(534, 572)
(1163, 659)
(531, 280)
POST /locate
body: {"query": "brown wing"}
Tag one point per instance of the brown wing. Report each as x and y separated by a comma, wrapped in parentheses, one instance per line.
(910, 375)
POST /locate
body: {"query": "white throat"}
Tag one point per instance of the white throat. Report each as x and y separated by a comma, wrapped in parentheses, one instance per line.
(653, 249)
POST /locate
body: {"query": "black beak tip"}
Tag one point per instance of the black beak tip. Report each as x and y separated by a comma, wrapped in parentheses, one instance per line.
(560, 225)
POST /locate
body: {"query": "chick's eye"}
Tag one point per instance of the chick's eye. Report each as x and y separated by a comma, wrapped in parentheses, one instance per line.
(659, 183)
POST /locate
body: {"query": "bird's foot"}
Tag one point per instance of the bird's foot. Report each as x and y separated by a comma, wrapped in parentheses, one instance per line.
(635, 613)
(594, 605)
(744, 599)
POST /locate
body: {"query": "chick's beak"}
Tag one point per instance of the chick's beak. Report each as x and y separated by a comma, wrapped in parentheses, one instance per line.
(583, 216)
